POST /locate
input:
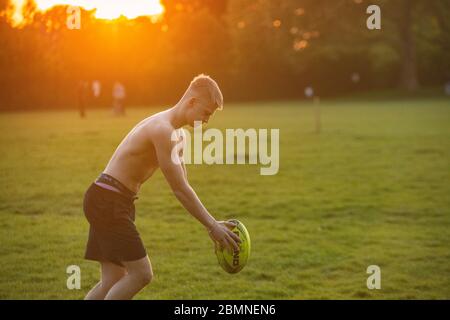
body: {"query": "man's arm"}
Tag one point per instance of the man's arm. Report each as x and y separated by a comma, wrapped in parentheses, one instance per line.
(173, 171)
(183, 136)
(184, 169)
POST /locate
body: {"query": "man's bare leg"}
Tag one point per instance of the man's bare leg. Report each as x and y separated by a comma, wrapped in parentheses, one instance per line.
(111, 273)
(139, 274)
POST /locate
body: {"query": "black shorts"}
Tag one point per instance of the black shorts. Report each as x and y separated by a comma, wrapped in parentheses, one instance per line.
(113, 235)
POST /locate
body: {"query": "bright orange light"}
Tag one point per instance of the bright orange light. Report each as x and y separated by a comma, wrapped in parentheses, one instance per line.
(241, 24)
(104, 9)
(300, 45)
(299, 11)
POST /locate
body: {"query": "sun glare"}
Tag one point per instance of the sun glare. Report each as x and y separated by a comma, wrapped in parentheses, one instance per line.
(104, 9)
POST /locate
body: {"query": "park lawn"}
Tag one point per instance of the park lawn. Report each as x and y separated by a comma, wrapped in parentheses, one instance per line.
(373, 188)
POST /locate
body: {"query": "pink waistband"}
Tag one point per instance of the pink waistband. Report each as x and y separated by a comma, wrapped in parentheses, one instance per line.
(107, 186)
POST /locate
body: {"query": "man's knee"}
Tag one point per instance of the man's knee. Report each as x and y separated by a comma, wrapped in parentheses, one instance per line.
(141, 270)
(146, 276)
(143, 275)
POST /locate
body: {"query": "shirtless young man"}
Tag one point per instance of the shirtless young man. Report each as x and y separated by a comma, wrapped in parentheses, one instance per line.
(109, 202)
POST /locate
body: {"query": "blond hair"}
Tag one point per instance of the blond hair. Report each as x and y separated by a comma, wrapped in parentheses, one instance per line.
(204, 86)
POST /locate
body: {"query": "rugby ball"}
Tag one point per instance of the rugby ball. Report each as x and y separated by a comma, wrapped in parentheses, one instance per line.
(236, 261)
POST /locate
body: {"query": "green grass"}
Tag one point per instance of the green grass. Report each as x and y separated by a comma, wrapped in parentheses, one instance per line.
(372, 188)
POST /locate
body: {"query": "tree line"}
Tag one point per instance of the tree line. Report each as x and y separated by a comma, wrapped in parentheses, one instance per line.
(256, 49)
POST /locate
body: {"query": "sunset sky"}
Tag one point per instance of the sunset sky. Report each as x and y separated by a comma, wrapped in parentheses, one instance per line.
(105, 9)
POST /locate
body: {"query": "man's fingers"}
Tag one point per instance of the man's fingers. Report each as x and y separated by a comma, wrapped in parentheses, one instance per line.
(224, 244)
(233, 243)
(234, 236)
(230, 224)
(227, 239)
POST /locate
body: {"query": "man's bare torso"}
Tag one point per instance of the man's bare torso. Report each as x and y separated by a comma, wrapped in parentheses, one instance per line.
(135, 160)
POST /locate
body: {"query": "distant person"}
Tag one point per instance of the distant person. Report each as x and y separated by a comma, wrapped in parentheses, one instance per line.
(83, 95)
(96, 88)
(309, 92)
(109, 206)
(119, 95)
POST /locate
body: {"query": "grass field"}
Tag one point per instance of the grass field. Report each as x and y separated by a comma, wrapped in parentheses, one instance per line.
(372, 188)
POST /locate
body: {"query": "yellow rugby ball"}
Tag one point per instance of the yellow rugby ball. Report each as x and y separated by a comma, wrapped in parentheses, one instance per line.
(236, 261)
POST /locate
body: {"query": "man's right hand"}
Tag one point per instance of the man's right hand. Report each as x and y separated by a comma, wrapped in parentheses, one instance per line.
(220, 233)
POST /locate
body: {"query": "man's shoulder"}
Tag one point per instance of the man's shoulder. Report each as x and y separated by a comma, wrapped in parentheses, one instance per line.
(159, 127)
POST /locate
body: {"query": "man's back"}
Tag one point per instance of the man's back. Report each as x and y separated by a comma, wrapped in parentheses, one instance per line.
(134, 161)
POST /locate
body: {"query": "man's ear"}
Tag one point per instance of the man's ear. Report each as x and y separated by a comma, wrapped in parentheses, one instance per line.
(191, 101)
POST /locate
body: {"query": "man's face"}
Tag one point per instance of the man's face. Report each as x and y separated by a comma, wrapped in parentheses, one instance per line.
(200, 110)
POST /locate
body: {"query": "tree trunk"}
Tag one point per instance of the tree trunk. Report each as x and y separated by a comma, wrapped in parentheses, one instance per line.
(409, 79)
